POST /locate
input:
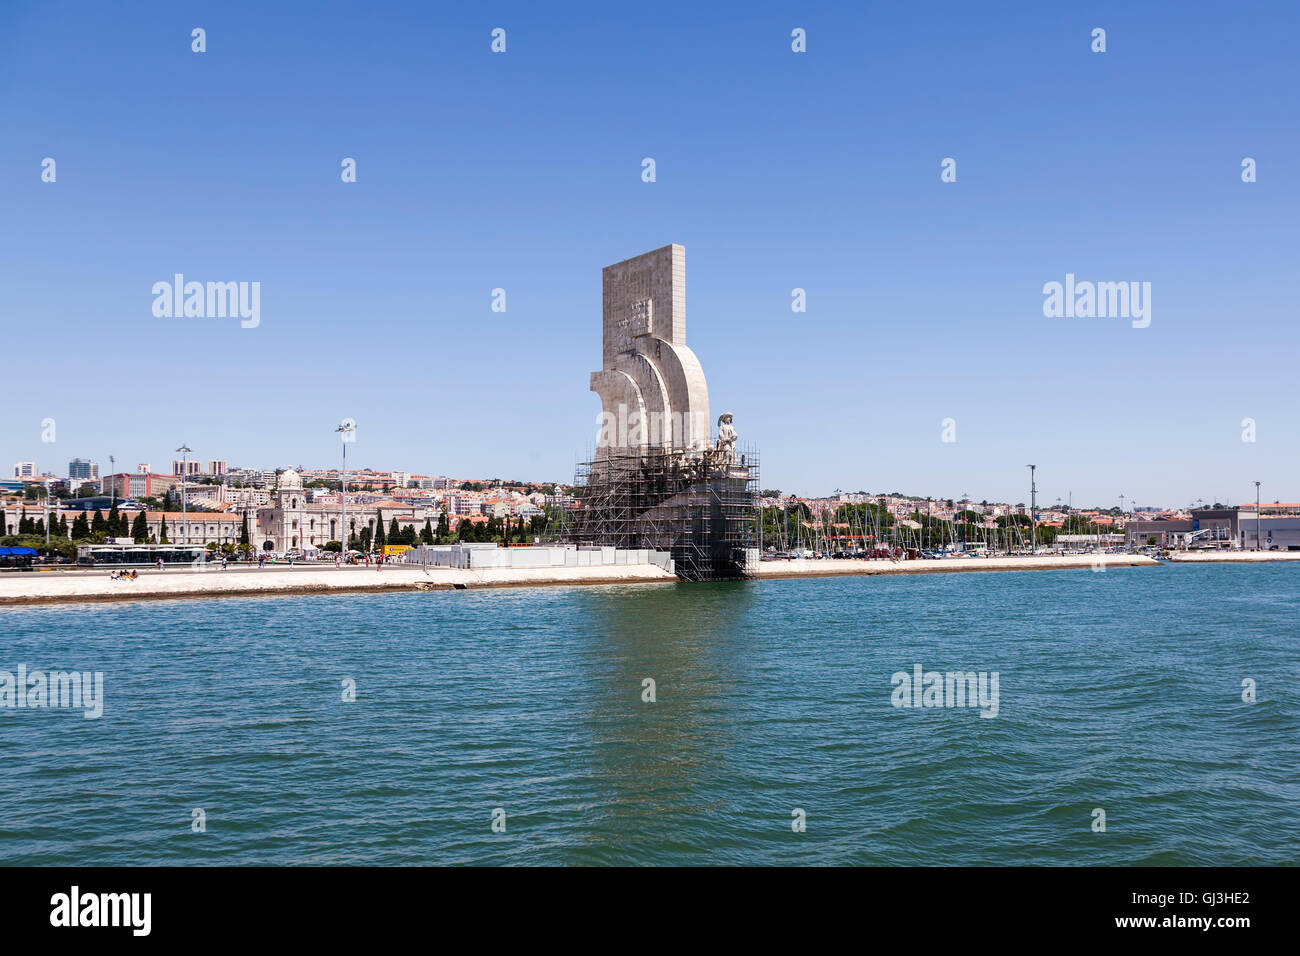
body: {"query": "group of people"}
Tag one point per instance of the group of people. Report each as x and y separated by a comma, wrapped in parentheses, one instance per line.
(365, 559)
(377, 560)
(124, 575)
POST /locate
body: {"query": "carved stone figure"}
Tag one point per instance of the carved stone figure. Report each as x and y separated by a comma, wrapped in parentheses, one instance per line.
(727, 436)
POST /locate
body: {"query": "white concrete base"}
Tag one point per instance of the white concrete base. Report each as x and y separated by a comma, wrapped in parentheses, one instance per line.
(37, 587)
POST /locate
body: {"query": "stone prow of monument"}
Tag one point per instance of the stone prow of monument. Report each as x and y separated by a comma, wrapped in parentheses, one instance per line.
(652, 389)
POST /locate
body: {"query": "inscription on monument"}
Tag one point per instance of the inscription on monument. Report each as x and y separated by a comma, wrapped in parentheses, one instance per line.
(638, 320)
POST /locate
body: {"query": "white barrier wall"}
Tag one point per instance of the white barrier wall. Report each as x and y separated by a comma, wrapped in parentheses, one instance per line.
(480, 556)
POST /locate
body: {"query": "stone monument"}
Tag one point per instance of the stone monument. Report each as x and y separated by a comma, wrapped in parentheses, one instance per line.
(657, 481)
(651, 385)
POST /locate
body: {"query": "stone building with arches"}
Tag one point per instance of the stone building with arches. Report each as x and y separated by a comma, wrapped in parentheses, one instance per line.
(289, 522)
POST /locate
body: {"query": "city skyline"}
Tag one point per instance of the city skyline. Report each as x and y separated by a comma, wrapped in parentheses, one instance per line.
(1046, 501)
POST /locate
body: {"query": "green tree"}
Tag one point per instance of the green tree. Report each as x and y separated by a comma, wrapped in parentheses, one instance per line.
(80, 527)
(243, 530)
(426, 535)
(97, 524)
(394, 532)
(140, 528)
(379, 535)
(162, 531)
(114, 521)
(443, 534)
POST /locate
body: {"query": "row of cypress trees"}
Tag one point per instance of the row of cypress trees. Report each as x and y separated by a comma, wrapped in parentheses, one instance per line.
(82, 528)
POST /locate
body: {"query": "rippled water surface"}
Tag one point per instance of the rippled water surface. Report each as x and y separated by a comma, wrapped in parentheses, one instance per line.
(1120, 690)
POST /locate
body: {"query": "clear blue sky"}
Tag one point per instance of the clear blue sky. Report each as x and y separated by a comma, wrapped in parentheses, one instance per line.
(776, 170)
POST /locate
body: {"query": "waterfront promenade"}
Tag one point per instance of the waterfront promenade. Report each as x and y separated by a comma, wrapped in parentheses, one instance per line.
(830, 567)
(1199, 557)
(50, 587)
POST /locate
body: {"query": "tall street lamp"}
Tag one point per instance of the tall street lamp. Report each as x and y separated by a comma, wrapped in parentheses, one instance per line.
(348, 430)
(1259, 542)
(185, 528)
(112, 479)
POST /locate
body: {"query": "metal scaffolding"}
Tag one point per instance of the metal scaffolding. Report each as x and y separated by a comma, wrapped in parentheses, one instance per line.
(701, 506)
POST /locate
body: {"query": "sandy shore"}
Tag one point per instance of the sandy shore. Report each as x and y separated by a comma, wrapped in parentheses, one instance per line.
(828, 567)
(47, 587)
